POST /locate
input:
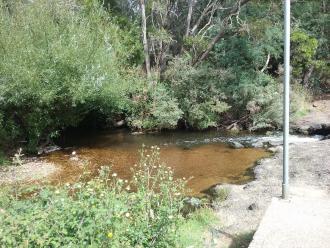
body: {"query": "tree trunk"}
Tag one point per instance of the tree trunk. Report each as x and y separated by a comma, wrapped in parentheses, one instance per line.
(204, 13)
(209, 48)
(190, 10)
(145, 39)
(266, 64)
(307, 76)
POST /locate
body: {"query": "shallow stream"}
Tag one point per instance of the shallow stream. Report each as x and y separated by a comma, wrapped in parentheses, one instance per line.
(204, 156)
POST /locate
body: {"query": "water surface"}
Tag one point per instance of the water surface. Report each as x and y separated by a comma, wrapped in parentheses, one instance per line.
(204, 156)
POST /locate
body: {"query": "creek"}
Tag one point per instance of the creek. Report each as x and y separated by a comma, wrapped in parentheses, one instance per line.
(205, 157)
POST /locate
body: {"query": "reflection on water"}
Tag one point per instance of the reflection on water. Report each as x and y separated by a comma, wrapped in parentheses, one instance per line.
(199, 155)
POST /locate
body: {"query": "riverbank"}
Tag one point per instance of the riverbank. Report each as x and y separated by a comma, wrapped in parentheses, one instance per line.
(245, 205)
(31, 170)
(317, 121)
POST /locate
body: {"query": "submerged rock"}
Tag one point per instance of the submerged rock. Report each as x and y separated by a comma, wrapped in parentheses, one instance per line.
(137, 133)
(120, 123)
(48, 149)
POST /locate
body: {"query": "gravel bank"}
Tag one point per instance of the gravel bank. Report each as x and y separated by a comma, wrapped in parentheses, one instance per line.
(29, 171)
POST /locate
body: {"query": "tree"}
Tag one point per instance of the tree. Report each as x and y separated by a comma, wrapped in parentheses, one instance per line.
(145, 39)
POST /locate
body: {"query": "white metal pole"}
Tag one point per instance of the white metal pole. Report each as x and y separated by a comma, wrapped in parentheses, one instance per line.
(286, 99)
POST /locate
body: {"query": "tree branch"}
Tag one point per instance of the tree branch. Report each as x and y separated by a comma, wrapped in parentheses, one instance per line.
(221, 33)
(206, 10)
(266, 64)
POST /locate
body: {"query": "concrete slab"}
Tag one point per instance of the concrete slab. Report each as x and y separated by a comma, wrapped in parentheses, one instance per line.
(302, 221)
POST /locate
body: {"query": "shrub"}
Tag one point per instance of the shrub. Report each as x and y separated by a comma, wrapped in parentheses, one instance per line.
(3, 159)
(103, 212)
(199, 93)
(57, 65)
(300, 101)
(154, 108)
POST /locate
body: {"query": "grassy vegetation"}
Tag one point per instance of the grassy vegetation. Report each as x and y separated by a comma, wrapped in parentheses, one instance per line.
(192, 231)
(104, 212)
(3, 159)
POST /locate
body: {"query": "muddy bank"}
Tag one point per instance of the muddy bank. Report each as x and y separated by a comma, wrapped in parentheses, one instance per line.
(242, 211)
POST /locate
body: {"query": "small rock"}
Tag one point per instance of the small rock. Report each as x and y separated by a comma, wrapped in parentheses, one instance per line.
(74, 158)
(275, 149)
(137, 133)
(253, 206)
(234, 127)
(120, 123)
(245, 187)
(48, 149)
(258, 144)
(235, 144)
(191, 204)
(219, 192)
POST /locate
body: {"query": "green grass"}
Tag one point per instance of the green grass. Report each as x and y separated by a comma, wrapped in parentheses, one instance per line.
(193, 230)
(3, 159)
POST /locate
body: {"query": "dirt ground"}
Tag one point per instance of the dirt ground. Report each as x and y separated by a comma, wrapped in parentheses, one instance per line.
(317, 121)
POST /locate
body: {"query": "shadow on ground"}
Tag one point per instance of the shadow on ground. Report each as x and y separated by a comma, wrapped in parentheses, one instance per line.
(242, 240)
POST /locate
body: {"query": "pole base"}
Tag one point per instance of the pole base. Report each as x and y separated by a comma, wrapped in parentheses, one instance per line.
(285, 191)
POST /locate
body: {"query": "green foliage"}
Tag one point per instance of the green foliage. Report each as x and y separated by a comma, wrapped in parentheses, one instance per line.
(56, 66)
(300, 101)
(221, 194)
(3, 159)
(192, 232)
(199, 93)
(304, 49)
(154, 108)
(103, 212)
(80, 58)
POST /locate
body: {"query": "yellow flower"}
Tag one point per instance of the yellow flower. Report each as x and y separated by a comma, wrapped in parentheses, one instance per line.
(110, 235)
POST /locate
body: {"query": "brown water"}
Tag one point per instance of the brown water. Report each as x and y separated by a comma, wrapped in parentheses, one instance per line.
(198, 155)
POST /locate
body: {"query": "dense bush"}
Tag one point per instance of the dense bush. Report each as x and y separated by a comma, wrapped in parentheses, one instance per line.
(154, 107)
(103, 212)
(79, 59)
(199, 92)
(56, 66)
